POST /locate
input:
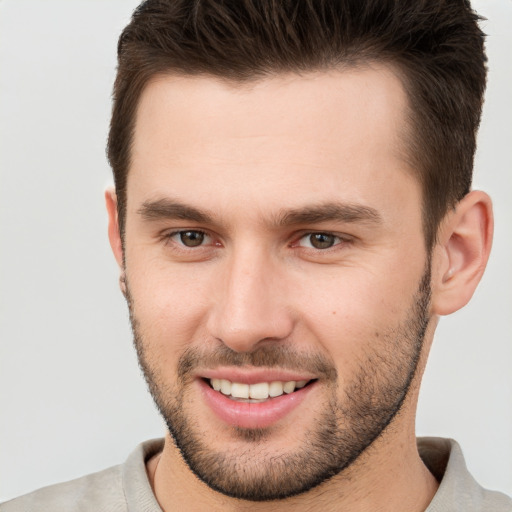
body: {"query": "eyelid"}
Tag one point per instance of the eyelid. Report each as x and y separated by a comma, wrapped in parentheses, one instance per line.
(210, 239)
(168, 237)
(342, 239)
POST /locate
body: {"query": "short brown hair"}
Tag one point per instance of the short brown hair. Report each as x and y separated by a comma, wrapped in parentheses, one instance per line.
(436, 45)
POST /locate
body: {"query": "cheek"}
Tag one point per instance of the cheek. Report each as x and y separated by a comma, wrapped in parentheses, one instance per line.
(169, 305)
(354, 312)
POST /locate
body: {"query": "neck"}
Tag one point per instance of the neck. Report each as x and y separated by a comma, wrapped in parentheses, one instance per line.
(388, 476)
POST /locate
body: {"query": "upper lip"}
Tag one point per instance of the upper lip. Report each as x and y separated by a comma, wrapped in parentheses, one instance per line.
(255, 375)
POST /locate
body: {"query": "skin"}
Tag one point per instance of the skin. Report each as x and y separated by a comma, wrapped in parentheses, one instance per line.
(246, 155)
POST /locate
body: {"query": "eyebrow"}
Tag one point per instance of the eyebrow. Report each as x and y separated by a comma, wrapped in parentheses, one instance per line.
(170, 209)
(326, 212)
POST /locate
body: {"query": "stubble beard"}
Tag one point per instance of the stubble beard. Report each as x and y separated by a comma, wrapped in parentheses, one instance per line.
(346, 428)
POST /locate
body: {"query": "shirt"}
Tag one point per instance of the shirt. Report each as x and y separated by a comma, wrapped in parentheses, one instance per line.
(126, 488)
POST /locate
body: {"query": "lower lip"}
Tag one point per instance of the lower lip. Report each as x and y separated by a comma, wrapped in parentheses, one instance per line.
(253, 415)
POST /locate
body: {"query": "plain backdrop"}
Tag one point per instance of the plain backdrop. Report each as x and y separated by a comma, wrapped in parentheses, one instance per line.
(72, 400)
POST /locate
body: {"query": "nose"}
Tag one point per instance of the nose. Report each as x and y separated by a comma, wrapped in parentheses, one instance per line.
(251, 306)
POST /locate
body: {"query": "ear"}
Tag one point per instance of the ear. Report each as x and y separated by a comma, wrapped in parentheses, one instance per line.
(114, 233)
(462, 251)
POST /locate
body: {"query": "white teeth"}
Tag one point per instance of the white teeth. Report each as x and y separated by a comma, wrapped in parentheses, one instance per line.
(289, 387)
(258, 391)
(225, 387)
(239, 390)
(275, 389)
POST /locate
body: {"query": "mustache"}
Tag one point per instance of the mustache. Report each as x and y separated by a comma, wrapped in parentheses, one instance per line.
(268, 356)
(271, 355)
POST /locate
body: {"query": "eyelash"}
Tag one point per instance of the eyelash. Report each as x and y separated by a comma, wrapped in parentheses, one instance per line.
(168, 237)
(339, 240)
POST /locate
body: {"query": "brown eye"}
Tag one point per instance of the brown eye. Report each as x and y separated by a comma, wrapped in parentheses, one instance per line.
(319, 240)
(322, 240)
(191, 238)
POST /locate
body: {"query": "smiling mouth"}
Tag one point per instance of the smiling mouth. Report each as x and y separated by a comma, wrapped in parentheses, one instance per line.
(258, 392)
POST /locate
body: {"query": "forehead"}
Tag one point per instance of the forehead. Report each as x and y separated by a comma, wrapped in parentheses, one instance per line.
(286, 139)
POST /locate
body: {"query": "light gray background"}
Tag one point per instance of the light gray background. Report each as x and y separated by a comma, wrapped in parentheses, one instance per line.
(71, 397)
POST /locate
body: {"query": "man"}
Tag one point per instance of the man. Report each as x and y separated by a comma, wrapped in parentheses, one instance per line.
(292, 214)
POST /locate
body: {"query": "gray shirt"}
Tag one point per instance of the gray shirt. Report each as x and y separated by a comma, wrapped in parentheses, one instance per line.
(126, 488)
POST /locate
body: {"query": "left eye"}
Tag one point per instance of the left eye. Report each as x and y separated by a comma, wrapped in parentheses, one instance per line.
(190, 238)
(319, 240)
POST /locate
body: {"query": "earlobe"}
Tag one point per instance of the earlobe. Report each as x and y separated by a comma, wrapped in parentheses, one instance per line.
(462, 252)
(114, 234)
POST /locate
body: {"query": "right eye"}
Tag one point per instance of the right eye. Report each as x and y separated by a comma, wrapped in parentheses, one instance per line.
(190, 238)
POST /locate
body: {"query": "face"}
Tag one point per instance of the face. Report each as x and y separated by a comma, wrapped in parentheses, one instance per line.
(276, 271)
